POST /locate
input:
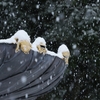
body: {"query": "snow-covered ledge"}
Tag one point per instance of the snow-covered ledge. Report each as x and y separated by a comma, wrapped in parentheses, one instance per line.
(27, 76)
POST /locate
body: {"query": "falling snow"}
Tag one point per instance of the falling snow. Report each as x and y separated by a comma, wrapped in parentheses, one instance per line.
(48, 83)
(51, 77)
(23, 79)
(57, 19)
(36, 59)
(26, 96)
(77, 24)
(8, 69)
(21, 62)
(37, 6)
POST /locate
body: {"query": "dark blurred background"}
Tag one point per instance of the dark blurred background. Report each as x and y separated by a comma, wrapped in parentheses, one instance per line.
(75, 23)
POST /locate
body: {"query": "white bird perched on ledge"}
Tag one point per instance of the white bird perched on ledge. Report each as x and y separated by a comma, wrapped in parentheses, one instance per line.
(63, 53)
(39, 45)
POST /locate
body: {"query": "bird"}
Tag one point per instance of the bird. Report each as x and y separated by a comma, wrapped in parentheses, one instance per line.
(63, 53)
(39, 45)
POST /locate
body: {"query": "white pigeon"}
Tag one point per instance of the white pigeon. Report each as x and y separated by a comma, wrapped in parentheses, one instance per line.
(39, 45)
(63, 52)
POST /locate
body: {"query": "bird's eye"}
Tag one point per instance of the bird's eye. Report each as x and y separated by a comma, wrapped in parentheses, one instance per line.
(42, 46)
